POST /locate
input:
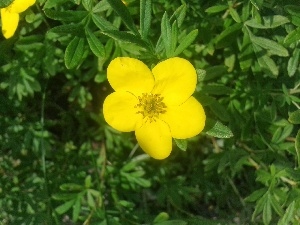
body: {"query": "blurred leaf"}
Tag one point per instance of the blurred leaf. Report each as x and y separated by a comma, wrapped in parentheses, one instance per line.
(289, 213)
(71, 187)
(95, 44)
(216, 89)
(217, 129)
(101, 6)
(87, 4)
(166, 34)
(297, 146)
(294, 117)
(123, 12)
(293, 62)
(76, 208)
(292, 9)
(172, 222)
(74, 53)
(267, 211)
(292, 37)
(234, 15)
(216, 8)
(257, 194)
(181, 144)
(65, 207)
(215, 71)
(268, 22)
(186, 42)
(161, 217)
(5, 3)
(145, 18)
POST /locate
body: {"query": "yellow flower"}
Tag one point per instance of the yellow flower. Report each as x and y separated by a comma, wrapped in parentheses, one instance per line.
(156, 104)
(10, 16)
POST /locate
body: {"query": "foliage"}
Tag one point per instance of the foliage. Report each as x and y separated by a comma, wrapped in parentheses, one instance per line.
(60, 162)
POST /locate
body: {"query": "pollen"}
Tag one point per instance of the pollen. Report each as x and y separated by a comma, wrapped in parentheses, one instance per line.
(150, 106)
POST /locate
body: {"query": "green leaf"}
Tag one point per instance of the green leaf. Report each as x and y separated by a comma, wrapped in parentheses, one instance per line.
(166, 34)
(268, 22)
(161, 217)
(273, 47)
(267, 211)
(64, 196)
(288, 216)
(52, 3)
(228, 35)
(181, 144)
(125, 37)
(95, 44)
(214, 89)
(293, 62)
(216, 9)
(101, 6)
(145, 18)
(235, 16)
(74, 53)
(102, 23)
(68, 15)
(215, 71)
(172, 222)
(292, 37)
(71, 187)
(87, 4)
(74, 29)
(266, 63)
(294, 117)
(253, 197)
(217, 129)
(65, 207)
(76, 208)
(5, 3)
(186, 42)
(297, 147)
(219, 110)
(293, 9)
(123, 12)
(179, 15)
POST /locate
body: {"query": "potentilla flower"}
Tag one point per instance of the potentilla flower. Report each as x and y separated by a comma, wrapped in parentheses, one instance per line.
(156, 104)
(10, 16)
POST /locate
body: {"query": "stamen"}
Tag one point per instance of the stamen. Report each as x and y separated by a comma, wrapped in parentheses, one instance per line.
(151, 105)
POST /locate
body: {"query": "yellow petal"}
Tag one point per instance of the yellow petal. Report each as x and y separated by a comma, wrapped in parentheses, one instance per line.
(186, 120)
(9, 22)
(175, 79)
(119, 111)
(155, 139)
(128, 74)
(18, 6)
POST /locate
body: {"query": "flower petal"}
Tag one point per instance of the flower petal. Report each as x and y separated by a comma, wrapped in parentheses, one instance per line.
(18, 6)
(119, 111)
(128, 74)
(186, 120)
(9, 22)
(175, 80)
(155, 139)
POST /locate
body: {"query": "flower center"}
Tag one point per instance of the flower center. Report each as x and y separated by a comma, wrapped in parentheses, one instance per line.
(151, 105)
